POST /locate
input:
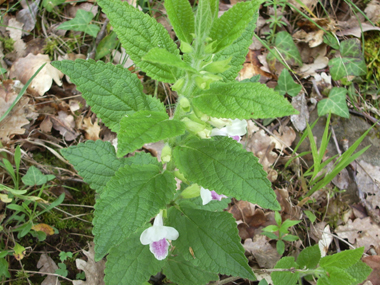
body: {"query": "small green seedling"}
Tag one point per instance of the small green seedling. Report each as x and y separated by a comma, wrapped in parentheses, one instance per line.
(282, 230)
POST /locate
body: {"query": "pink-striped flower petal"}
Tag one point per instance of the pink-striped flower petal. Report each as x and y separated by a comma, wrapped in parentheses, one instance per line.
(160, 249)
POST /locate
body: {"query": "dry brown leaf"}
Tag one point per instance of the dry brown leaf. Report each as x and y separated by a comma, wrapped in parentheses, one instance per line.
(265, 254)
(46, 125)
(43, 228)
(47, 264)
(361, 232)
(358, 30)
(374, 263)
(320, 62)
(288, 210)
(28, 15)
(92, 129)
(373, 11)
(299, 103)
(12, 124)
(313, 38)
(368, 180)
(122, 57)
(65, 124)
(94, 270)
(15, 33)
(24, 68)
(310, 4)
(252, 66)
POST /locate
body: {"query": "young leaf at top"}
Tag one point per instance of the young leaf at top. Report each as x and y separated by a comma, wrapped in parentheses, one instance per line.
(145, 127)
(237, 51)
(203, 20)
(81, 23)
(131, 262)
(285, 45)
(138, 33)
(214, 239)
(181, 18)
(162, 56)
(286, 84)
(242, 101)
(336, 103)
(221, 164)
(134, 195)
(111, 90)
(350, 62)
(229, 27)
(96, 161)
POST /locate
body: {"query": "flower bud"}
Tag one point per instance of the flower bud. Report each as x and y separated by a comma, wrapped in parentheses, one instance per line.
(166, 154)
(178, 84)
(184, 103)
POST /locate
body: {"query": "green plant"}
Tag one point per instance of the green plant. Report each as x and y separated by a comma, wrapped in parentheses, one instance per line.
(282, 232)
(275, 20)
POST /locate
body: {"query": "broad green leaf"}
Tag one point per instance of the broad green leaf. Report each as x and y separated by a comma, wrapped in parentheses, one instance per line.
(130, 262)
(213, 206)
(289, 51)
(183, 272)
(50, 4)
(138, 33)
(134, 195)
(213, 238)
(203, 21)
(285, 277)
(221, 164)
(309, 257)
(96, 162)
(106, 45)
(359, 271)
(350, 62)
(237, 51)
(162, 56)
(335, 103)
(229, 27)
(4, 268)
(145, 127)
(181, 18)
(34, 176)
(343, 259)
(242, 101)
(81, 23)
(286, 84)
(337, 276)
(111, 90)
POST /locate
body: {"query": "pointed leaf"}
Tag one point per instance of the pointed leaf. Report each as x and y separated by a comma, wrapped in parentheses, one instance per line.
(81, 23)
(242, 101)
(162, 56)
(203, 20)
(285, 45)
(181, 18)
(131, 198)
(184, 272)
(237, 51)
(309, 257)
(360, 271)
(146, 127)
(229, 27)
(221, 164)
(286, 84)
(336, 103)
(96, 161)
(131, 262)
(214, 239)
(34, 176)
(350, 62)
(138, 33)
(111, 90)
(343, 259)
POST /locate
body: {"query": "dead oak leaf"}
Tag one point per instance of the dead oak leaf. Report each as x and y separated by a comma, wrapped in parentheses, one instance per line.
(361, 232)
(265, 254)
(94, 270)
(24, 68)
(65, 124)
(368, 179)
(47, 264)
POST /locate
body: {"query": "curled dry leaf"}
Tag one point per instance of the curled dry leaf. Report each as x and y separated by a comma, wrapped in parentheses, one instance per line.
(320, 62)
(13, 122)
(265, 254)
(28, 15)
(313, 38)
(15, 32)
(94, 270)
(24, 68)
(299, 103)
(44, 228)
(368, 180)
(47, 264)
(288, 209)
(252, 66)
(92, 129)
(361, 232)
(65, 124)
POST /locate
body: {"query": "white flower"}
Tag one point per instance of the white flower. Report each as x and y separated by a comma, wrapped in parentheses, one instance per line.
(235, 130)
(208, 196)
(157, 236)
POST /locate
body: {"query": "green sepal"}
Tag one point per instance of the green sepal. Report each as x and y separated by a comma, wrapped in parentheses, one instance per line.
(146, 127)
(111, 90)
(242, 101)
(134, 195)
(220, 249)
(139, 33)
(221, 164)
